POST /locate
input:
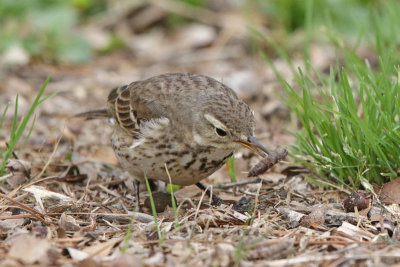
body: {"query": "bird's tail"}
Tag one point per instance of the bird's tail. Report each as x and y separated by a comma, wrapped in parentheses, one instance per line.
(95, 114)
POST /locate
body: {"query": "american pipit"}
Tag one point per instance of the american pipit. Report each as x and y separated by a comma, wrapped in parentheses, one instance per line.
(190, 123)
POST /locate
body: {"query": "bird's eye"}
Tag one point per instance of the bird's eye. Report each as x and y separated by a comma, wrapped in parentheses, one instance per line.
(220, 132)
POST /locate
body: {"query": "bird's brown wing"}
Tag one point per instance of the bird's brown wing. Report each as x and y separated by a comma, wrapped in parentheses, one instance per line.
(129, 108)
(119, 106)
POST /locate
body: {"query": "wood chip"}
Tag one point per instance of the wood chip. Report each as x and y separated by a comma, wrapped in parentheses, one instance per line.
(354, 232)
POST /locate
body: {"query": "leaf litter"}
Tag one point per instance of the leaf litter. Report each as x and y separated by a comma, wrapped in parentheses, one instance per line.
(73, 205)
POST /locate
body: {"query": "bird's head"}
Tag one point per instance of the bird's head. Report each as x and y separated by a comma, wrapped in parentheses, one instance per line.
(226, 123)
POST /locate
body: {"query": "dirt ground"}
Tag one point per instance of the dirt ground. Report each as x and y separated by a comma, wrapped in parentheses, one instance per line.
(70, 204)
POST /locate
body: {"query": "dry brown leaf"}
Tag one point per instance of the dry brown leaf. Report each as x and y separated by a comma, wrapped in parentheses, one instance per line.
(156, 260)
(20, 170)
(390, 192)
(68, 223)
(89, 262)
(315, 217)
(18, 165)
(101, 249)
(126, 261)
(42, 193)
(17, 179)
(8, 224)
(29, 249)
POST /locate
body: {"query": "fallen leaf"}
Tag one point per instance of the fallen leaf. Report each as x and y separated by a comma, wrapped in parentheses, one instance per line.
(126, 261)
(29, 249)
(20, 170)
(101, 249)
(68, 223)
(43, 193)
(390, 192)
(89, 262)
(18, 165)
(315, 217)
(156, 260)
(8, 224)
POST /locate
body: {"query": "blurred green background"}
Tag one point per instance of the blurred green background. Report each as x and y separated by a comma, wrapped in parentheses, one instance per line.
(54, 30)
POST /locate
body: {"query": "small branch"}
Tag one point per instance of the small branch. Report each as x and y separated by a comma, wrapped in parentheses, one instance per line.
(13, 153)
(31, 211)
(255, 181)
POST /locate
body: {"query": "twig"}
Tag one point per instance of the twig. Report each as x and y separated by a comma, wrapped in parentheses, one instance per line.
(33, 212)
(5, 177)
(13, 152)
(50, 158)
(196, 213)
(107, 183)
(255, 181)
(307, 259)
(40, 180)
(253, 216)
(18, 216)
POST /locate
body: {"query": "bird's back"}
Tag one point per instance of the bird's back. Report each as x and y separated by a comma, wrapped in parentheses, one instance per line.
(176, 96)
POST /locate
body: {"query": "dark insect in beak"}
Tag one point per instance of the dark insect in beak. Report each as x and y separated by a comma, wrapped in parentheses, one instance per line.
(254, 146)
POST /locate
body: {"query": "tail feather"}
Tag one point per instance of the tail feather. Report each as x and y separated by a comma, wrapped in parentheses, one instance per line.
(95, 114)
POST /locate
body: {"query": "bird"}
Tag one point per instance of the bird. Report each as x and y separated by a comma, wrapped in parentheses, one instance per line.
(188, 124)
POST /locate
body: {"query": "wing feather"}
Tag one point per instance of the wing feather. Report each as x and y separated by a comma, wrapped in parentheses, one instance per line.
(128, 108)
(161, 97)
(120, 107)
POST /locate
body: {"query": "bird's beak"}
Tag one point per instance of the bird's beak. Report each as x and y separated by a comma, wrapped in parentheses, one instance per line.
(254, 146)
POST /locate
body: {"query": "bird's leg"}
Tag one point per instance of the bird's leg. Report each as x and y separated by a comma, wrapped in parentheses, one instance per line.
(137, 183)
(216, 201)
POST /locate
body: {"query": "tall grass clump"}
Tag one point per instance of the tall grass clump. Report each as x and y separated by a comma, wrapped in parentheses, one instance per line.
(350, 117)
(351, 130)
(19, 127)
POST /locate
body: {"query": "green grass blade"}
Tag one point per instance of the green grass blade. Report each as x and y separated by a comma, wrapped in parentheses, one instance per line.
(3, 116)
(153, 208)
(231, 169)
(171, 191)
(17, 129)
(28, 136)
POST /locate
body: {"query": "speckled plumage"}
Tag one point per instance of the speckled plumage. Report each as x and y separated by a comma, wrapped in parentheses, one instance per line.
(155, 120)
(192, 123)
